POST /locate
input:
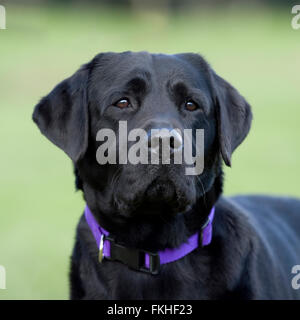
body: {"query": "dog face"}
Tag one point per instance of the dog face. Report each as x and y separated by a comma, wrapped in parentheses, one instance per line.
(148, 91)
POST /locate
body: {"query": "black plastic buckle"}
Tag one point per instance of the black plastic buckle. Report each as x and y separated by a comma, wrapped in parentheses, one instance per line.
(133, 258)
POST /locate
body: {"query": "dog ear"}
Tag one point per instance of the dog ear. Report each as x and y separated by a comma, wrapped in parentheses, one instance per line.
(234, 117)
(62, 116)
(233, 112)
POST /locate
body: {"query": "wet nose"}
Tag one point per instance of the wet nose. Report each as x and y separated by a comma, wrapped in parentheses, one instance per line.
(164, 137)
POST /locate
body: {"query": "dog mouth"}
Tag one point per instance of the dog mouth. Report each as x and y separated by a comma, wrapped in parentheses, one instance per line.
(161, 197)
(161, 190)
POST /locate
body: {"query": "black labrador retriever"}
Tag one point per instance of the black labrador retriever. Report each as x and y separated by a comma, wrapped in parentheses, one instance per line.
(151, 231)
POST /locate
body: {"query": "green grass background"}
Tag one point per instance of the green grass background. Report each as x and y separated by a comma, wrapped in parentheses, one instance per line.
(254, 48)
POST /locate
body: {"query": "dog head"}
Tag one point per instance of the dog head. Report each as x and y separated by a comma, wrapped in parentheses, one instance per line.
(145, 91)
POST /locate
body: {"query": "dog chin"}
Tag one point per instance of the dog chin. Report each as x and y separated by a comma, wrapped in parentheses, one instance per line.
(161, 197)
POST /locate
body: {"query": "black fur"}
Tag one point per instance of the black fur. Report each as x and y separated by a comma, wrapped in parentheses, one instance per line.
(151, 207)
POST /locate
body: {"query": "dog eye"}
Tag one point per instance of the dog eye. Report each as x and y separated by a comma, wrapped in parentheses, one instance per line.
(122, 103)
(191, 105)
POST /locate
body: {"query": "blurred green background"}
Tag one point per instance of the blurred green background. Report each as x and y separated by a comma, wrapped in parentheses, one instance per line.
(253, 47)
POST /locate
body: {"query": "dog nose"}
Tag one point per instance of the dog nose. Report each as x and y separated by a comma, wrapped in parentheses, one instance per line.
(164, 137)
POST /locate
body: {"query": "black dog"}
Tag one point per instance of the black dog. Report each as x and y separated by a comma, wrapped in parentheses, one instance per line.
(152, 207)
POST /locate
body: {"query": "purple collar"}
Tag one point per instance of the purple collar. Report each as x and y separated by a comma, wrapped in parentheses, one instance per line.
(140, 259)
